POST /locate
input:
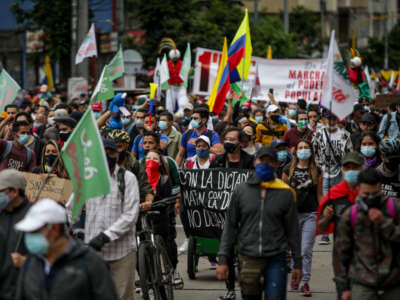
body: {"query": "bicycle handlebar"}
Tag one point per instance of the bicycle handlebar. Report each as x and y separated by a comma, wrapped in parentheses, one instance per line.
(164, 202)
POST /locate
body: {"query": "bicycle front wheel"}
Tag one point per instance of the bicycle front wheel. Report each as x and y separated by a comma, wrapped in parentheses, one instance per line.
(166, 271)
(147, 272)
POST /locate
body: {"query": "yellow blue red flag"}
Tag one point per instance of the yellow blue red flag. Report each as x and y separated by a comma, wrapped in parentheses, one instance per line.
(48, 72)
(240, 52)
(222, 82)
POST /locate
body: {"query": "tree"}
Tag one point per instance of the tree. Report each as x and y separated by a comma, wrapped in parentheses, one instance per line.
(54, 18)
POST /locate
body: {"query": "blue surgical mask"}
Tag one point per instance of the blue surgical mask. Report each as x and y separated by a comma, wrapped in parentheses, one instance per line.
(96, 114)
(23, 139)
(368, 151)
(36, 243)
(188, 118)
(125, 121)
(162, 125)
(282, 155)
(139, 123)
(37, 124)
(265, 172)
(304, 154)
(292, 112)
(195, 124)
(136, 107)
(202, 153)
(351, 177)
(259, 119)
(4, 201)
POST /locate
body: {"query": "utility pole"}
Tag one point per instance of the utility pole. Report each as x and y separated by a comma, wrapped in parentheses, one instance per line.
(286, 16)
(386, 55)
(255, 11)
(83, 28)
(322, 21)
(74, 26)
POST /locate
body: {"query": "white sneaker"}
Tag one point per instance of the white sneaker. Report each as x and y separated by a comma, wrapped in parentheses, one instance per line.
(184, 247)
(178, 281)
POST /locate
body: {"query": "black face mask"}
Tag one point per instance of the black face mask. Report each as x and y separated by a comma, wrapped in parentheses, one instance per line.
(64, 136)
(230, 147)
(49, 159)
(112, 161)
(372, 201)
(275, 118)
(122, 156)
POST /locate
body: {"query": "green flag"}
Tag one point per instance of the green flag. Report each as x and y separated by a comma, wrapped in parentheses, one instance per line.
(164, 73)
(104, 89)
(8, 89)
(235, 90)
(116, 65)
(85, 160)
(187, 61)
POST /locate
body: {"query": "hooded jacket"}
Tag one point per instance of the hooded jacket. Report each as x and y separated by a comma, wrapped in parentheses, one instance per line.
(79, 274)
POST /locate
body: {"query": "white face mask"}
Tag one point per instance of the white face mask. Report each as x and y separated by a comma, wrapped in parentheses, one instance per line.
(51, 121)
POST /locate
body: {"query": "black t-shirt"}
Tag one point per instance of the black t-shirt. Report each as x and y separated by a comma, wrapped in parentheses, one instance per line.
(306, 190)
(390, 184)
(234, 165)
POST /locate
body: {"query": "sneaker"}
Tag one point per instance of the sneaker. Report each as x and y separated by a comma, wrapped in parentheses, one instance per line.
(230, 295)
(178, 281)
(184, 247)
(305, 290)
(324, 240)
(294, 286)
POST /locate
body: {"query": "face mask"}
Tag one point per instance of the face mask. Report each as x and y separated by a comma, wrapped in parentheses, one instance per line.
(202, 153)
(152, 165)
(292, 112)
(4, 201)
(139, 123)
(96, 114)
(37, 124)
(275, 118)
(230, 147)
(372, 201)
(333, 128)
(23, 139)
(36, 243)
(49, 159)
(51, 121)
(122, 156)
(304, 154)
(282, 155)
(366, 108)
(351, 177)
(162, 125)
(259, 119)
(195, 124)
(64, 135)
(302, 124)
(187, 118)
(265, 172)
(392, 167)
(368, 151)
(136, 107)
(112, 161)
(125, 121)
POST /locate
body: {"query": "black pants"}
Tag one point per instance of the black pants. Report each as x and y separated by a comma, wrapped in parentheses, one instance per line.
(230, 281)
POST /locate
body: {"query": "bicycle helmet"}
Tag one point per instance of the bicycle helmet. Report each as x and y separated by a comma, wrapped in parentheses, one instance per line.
(389, 147)
(119, 135)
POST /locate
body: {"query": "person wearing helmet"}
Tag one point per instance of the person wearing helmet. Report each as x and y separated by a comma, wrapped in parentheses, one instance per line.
(176, 92)
(389, 168)
(127, 160)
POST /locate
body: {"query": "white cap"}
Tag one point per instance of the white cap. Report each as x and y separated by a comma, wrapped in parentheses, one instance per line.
(188, 106)
(45, 211)
(174, 53)
(272, 108)
(205, 139)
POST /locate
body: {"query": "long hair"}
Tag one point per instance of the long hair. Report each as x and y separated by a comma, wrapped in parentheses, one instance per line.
(164, 168)
(61, 172)
(312, 167)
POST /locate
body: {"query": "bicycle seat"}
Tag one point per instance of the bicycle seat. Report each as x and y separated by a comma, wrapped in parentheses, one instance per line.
(153, 213)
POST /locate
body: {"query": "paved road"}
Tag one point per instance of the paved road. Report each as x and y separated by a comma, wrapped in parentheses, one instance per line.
(207, 287)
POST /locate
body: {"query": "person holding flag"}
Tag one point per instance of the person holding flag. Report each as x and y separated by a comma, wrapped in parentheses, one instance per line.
(111, 198)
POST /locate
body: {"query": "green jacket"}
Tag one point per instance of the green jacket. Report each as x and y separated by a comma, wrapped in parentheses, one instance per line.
(368, 254)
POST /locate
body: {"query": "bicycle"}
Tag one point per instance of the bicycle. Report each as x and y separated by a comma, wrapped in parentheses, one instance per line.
(155, 268)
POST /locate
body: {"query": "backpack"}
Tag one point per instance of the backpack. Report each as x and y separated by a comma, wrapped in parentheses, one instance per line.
(8, 149)
(190, 132)
(121, 183)
(388, 120)
(389, 204)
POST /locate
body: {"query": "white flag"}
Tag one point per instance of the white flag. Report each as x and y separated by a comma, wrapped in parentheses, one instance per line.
(371, 83)
(164, 73)
(156, 79)
(187, 61)
(339, 95)
(88, 47)
(391, 81)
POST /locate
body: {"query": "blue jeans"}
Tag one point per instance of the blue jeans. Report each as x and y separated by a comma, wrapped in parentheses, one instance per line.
(274, 271)
(328, 183)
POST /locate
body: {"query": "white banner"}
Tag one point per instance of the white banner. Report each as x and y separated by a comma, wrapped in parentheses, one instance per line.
(88, 47)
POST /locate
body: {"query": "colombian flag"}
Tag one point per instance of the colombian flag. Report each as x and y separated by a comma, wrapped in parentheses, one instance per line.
(221, 85)
(49, 73)
(240, 52)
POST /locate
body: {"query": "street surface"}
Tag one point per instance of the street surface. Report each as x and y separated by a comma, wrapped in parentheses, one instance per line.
(206, 285)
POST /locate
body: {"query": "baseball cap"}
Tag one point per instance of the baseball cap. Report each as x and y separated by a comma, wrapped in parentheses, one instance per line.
(110, 144)
(61, 115)
(188, 106)
(205, 139)
(368, 118)
(266, 151)
(272, 108)
(278, 142)
(45, 211)
(11, 178)
(353, 157)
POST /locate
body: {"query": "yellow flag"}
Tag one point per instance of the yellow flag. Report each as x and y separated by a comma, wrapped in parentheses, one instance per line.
(269, 52)
(153, 89)
(48, 72)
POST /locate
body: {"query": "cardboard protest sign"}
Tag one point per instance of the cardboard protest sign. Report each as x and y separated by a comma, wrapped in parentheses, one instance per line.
(206, 197)
(56, 188)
